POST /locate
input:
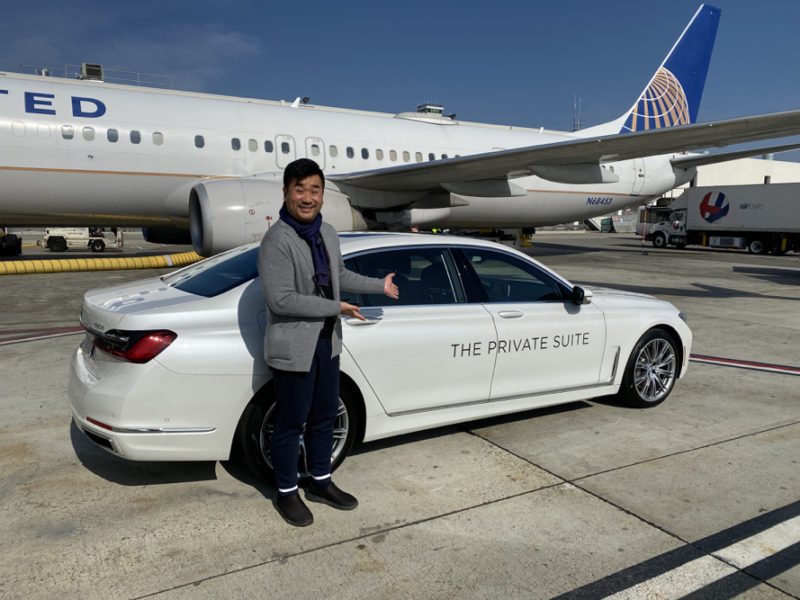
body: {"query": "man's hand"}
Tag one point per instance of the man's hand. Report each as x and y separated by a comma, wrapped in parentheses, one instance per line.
(389, 288)
(351, 310)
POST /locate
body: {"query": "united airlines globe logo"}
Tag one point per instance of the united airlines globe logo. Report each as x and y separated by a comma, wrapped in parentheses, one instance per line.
(662, 104)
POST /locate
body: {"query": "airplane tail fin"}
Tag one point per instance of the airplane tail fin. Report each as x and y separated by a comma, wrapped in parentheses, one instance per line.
(672, 97)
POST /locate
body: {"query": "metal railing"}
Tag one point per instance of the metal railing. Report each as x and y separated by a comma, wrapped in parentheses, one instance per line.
(69, 71)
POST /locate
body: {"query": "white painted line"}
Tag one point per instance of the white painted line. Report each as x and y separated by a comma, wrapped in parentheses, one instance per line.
(704, 571)
(762, 545)
(679, 582)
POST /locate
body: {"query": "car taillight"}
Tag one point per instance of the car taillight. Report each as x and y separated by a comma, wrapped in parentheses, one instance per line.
(133, 346)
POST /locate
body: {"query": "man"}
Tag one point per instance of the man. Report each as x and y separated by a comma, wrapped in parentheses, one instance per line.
(302, 274)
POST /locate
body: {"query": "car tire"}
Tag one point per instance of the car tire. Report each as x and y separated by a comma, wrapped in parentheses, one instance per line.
(253, 433)
(651, 371)
(659, 240)
(97, 246)
(57, 244)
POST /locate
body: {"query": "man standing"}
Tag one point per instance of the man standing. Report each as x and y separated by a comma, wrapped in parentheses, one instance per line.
(302, 274)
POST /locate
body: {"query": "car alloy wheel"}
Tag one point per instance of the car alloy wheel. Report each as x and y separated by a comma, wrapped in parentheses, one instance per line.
(254, 434)
(651, 370)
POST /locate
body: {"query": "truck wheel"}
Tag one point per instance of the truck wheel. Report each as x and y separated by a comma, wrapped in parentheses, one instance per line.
(97, 246)
(756, 247)
(254, 433)
(57, 244)
(659, 240)
(651, 370)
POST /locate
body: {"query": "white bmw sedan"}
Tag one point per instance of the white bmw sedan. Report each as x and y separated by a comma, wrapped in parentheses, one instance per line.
(172, 368)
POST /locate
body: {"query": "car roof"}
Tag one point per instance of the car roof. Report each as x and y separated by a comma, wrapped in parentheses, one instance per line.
(359, 241)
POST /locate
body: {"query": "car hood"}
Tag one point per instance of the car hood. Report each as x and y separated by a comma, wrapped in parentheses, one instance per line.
(611, 292)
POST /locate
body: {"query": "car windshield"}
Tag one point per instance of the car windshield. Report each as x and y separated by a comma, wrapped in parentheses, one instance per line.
(218, 274)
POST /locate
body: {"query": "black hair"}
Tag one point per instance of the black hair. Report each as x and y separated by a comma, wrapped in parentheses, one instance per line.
(299, 169)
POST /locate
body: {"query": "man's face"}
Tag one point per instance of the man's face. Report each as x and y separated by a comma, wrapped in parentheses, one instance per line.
(303, 198)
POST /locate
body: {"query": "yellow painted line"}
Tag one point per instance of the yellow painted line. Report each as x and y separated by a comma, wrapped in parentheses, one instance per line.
(71, 265)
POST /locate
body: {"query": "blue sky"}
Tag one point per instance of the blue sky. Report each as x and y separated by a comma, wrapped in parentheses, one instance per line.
(509, 62)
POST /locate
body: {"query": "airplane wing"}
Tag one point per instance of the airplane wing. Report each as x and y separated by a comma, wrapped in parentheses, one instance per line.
(696, 160)
(517, 162)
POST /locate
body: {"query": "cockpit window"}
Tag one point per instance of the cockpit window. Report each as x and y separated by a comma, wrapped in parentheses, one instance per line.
(218, 274)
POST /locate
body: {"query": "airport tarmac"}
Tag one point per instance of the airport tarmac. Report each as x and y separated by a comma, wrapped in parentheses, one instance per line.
(697, 498)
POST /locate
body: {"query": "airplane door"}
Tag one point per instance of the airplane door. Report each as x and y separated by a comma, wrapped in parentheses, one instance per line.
(285, 147)
(315, 150)
(638, 175)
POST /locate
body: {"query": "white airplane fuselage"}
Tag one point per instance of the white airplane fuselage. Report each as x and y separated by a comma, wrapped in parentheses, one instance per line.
(85, 152)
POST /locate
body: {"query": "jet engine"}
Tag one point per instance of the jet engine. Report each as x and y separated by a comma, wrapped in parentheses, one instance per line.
(225, 213)
(166, 235)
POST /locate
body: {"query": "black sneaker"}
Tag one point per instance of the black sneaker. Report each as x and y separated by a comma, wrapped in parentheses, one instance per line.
(293, 510)
(332, 496)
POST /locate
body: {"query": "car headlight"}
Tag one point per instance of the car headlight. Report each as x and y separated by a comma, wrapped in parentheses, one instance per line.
(683, 316)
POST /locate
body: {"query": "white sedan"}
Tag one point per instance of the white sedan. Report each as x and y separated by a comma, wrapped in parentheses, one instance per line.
(172, 368)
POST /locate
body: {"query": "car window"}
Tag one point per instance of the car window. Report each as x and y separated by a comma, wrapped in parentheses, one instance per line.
(506, 278)
(423, 276)
(218, 274)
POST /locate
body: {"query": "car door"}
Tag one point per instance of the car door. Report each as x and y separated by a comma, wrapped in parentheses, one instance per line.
(545, 343)
(426, 350)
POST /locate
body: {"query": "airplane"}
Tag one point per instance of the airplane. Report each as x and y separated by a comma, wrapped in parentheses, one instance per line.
(208, 168)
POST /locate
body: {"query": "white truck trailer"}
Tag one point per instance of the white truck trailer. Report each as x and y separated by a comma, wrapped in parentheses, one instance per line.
(761, 218)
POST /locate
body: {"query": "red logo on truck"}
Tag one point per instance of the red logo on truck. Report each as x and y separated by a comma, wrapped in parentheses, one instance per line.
(714, 207)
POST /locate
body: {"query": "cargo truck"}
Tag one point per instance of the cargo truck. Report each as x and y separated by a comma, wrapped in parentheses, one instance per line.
(761, 218)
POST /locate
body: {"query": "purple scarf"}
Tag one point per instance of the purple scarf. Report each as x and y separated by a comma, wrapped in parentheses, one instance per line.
(310, 233)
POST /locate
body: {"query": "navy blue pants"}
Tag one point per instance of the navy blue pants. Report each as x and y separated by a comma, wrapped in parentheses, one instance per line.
(310, 399)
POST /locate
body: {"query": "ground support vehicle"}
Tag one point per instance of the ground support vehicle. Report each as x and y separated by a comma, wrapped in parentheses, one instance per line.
(59, 239)
(761, 218)
(172, 368)
(648, 217)
(10, 243)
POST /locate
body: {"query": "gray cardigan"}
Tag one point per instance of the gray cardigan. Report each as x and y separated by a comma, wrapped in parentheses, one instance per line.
(295, 315)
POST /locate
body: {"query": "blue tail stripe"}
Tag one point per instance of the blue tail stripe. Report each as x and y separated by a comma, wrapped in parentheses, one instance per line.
(691, 56)
(673, 95)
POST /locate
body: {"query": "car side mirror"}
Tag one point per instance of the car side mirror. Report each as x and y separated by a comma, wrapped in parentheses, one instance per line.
(580, 296)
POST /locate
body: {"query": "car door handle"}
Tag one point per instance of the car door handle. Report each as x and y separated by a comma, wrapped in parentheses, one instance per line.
(358, 322)
(510, 314)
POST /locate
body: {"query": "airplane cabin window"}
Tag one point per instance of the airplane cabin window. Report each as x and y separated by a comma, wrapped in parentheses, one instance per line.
(43, 130)
(364, 153)
(236, 144)
(350, 152)
(18, 128)
(444, 156)
(268, 147)
(314, 149)
(67, 132)
(285, 148)
(406, 156)
(431, 156)
(136, 136)
(392, 155)
(379, 154)
(112, 135)
(199, 141)
(333, 151)
(158, 138)
(88, 133)
(252, 145)
(418, 156)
